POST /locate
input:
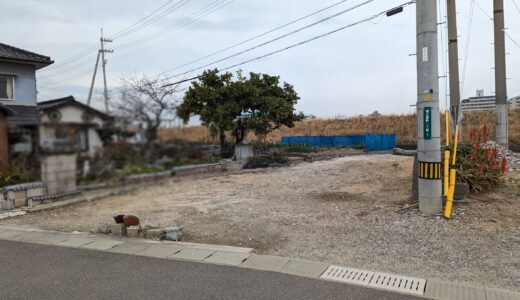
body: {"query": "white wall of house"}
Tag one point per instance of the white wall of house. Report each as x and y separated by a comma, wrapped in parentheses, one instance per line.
(71, 115)
(24, 83)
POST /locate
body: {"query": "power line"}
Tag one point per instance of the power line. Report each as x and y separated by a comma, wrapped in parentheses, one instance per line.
(279, 37)
(466, 50)
(491, 18)
(175, 7)
(253, 38)
(516, 6)
(443, 55)
(206, 10)
(303, 42)
(93, 47)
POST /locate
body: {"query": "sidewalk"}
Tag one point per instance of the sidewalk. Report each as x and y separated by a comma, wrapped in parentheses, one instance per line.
(242, 257)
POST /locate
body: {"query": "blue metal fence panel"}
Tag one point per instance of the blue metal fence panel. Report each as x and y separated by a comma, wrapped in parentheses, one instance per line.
(372, 141)
(379, 142)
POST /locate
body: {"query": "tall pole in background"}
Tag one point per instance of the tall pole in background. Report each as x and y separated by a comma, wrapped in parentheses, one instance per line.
(101, 53)
(104, 63)
(93, 79)
(453, 52)
(428, 120)
(502, 109)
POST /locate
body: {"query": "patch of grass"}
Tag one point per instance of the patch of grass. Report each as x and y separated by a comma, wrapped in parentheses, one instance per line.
(133, 170)
(177, 162)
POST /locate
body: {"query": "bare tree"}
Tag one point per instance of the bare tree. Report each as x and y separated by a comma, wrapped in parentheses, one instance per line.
(148, 100)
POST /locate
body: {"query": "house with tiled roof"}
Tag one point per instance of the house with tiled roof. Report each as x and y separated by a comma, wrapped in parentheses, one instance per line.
(18, 94)
(67, 125)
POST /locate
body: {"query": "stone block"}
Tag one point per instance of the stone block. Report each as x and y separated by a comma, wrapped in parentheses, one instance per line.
(173, 233)
(154, 233)
(118, 229)
(20, 201)
(7, 204)
(134, 231)
(243, 151)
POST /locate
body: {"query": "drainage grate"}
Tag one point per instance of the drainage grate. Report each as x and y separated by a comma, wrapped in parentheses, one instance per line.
(398, 283)
(347, 275)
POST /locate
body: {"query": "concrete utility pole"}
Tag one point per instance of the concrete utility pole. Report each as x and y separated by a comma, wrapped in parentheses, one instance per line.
(453, 52)
(93, 79)
(502, 109)
(101, 53)
(428, 120)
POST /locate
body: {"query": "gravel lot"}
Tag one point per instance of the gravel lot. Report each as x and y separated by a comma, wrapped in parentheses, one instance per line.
(347, 211)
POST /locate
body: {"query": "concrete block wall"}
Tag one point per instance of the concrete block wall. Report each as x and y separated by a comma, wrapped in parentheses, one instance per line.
(59, 173)
(15, 196)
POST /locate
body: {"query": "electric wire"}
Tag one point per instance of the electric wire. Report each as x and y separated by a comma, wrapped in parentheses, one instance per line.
(208, 9)
(301, 43)
(93, 47)
(278, 37)
(443, 55)
(253, 38)
(137, 26)
(491, 18)
(466, 49)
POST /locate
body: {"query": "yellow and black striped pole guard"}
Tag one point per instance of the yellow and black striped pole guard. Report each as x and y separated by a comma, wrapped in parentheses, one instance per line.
(429, 170)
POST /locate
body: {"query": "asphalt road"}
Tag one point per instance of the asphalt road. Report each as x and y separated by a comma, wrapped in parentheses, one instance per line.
(31, 271)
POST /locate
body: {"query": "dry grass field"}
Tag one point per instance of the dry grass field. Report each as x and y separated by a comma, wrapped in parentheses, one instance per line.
(402, 125)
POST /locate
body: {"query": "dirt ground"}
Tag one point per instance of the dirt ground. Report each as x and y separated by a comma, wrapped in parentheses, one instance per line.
(347, 211)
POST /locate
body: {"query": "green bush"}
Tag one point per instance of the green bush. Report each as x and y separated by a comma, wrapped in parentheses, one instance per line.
(211, 159)
(256, 162)
(227, 150)
(13, 177)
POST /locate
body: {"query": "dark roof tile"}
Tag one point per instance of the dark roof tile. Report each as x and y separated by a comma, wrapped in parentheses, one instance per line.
(24, 115)
(16, 54)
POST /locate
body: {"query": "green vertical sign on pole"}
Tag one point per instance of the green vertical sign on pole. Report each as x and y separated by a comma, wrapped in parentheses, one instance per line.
(427, 122)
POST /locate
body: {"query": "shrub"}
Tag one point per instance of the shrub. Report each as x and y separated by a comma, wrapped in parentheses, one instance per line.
(265, 161)
(13, 177)
(227, 149)
(478, 162)
(211, 159)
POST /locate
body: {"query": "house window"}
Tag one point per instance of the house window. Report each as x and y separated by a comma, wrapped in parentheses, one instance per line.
(6, 87)
(82, 139)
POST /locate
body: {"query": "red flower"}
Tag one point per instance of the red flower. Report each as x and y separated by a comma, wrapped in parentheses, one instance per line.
(504, 165)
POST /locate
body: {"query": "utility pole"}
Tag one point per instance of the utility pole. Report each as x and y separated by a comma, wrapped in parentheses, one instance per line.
(101, 53)
(453, 52)
(428, 120)
(93, 79)
(502, 109)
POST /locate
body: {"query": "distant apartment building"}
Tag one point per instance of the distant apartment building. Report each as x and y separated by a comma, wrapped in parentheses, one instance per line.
(482, 102)
(515, 102)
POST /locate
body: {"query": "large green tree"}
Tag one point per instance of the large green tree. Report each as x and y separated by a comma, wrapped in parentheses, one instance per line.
(258, 103)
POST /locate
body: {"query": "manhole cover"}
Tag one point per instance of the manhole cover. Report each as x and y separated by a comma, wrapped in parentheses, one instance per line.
(347, 275)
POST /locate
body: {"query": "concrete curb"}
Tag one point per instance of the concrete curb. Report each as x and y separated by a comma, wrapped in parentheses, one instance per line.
(235, 257)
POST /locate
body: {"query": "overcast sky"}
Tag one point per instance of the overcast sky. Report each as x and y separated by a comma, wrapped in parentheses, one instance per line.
(355, 71)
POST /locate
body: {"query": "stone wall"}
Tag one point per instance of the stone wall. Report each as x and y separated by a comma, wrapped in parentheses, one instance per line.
(59, 173)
